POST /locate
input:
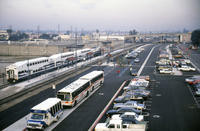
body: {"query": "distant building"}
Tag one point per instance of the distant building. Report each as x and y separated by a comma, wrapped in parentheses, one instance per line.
(186, 37)
(4, 35)
(62, 37)
(110, 37)
(96, 35)
(86, 37)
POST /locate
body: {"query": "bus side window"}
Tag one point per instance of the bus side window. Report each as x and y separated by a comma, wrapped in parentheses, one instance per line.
(124, 126)
(54, 110)
(51, 111)
(60, 105)
(111, 126)
(57, 107)
(46, 116)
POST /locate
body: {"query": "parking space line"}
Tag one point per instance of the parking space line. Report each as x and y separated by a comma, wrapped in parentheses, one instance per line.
(142, 67)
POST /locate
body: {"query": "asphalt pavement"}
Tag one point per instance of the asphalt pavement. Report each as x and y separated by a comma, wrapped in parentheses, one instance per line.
(172, 109)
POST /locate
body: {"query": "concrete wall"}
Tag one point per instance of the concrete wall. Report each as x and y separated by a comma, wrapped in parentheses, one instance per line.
(30, 50)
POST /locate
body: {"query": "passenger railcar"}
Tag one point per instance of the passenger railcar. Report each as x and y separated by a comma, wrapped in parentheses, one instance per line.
(23, 69)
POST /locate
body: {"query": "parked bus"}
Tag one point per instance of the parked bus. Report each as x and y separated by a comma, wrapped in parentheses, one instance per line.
(43, 114)
(76, 91)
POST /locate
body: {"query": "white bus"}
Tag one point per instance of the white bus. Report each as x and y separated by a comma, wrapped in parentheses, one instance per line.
(76, 91)
(43, 114)
(96, 78)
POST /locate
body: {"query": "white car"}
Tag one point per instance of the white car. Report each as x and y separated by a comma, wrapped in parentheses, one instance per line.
(198, 92)
(166, 71)
(186, 68)
(129, 114)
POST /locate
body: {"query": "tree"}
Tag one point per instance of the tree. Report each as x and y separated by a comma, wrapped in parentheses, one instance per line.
(133, 32)
(45, 36)
(195, 38)
(9, 31)
(18, 36)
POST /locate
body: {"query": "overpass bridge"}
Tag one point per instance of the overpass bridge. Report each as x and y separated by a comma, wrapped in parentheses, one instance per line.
(162, 37)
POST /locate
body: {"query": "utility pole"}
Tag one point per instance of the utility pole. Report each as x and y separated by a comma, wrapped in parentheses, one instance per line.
(71, 31)
(58, 28)
(76, 46)
(38, 31)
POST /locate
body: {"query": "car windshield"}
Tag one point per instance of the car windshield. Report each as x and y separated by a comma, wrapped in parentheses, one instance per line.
(37, 116)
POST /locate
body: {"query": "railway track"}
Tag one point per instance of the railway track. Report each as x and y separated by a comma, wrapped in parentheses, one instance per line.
(56, 79)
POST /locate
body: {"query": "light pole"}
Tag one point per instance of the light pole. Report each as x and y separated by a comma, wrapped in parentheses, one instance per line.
(28, 62)
(76, 49)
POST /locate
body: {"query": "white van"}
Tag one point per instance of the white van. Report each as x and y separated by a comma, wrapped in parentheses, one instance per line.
(43, 114)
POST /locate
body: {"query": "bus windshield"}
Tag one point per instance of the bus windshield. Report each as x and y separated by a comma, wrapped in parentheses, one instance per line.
(37, 116)
(61, 96)
(67, 97)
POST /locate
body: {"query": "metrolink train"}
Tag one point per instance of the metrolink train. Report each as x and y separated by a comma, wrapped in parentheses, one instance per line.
(34, 67)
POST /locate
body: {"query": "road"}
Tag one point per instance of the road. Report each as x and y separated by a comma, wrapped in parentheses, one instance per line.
(172, 107)
(86, 114)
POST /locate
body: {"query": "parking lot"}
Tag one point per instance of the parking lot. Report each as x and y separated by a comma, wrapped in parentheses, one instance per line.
(171, 105)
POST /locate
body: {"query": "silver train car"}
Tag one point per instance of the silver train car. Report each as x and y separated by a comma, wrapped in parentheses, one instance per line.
(33, 67)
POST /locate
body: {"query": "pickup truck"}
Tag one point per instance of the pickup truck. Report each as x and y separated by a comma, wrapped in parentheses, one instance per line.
(119, 125)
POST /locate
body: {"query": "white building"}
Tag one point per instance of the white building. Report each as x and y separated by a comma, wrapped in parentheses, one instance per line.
(111, 37)
(4, 35)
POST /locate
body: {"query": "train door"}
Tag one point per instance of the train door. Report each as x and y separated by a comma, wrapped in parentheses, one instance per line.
(10, 74)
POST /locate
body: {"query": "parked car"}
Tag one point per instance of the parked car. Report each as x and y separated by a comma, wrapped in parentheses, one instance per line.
(192, 80)
(122, 99)
(166, 71)
(137, 60)
(133, 104)
(121, 111)
(130, 115)
(186, 68)
(139, 82)
(138, 91)
(197, 85)
(129, 88)
(161, 67)
(147, 78)
(130, 120)
(136, 95)
(125, 98)
(133, 72)
(197, 92)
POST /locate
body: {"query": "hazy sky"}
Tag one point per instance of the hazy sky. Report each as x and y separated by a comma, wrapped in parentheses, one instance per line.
(142, 15)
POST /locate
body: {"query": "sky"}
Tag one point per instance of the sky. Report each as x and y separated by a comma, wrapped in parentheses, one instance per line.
(142, 15)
